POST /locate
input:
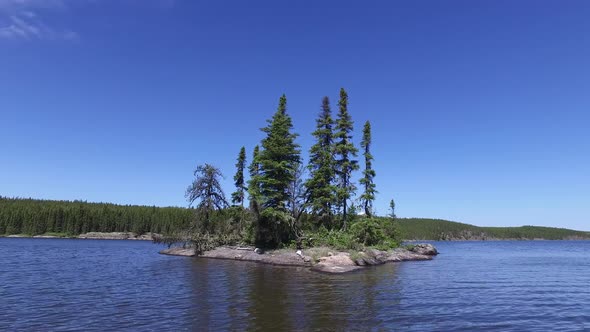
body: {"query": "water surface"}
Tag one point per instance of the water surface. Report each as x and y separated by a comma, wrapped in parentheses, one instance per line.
(98, 285)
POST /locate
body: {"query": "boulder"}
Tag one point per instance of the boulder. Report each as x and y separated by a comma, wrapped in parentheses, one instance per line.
(179, 251)
(424, 249)
(338, 263)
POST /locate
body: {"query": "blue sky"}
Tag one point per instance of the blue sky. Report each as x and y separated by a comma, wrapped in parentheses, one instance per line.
(480, 109)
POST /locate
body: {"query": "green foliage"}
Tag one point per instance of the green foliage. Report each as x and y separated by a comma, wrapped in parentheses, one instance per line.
(253, 184)
(392, 209)
(238, 196)
(337, 239)
(436, 229)
(366, 181)
(320, 185)
(278, 160)
(344, 151)
(273, 228)
(37, 217)
(367, 232)
(273, 176)
(387, 245)
(230, 226)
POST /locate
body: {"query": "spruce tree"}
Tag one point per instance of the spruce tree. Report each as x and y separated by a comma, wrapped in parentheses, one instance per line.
(238, 196)
(345, 153)
(253, 186)
(278, 159)
(320, 185)
(368, 195)
(392, 209)
(277, 164)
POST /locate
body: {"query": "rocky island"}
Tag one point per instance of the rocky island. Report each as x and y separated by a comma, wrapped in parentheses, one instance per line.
(319, 259)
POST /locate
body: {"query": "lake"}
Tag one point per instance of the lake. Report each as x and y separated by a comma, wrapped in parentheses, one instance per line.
(102, 285)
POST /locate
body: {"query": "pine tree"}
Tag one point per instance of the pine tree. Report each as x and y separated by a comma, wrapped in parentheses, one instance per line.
(320, 185)
(238, 196)
(253, 186)
(392, 209)
(278, 159)
(368, 195)
(345, 152)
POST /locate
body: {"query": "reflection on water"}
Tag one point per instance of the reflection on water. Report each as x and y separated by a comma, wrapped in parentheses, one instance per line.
(96, 285)
(238, 295)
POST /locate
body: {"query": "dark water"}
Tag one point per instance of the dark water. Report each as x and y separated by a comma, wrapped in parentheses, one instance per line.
(48, 284)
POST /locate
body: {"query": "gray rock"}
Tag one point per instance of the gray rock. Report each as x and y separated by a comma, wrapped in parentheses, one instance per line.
(179, 251)
(424, 249)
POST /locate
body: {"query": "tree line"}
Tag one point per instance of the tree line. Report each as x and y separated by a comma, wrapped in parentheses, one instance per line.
(33, 217)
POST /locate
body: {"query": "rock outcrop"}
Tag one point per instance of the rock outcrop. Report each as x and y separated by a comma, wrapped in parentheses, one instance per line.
(329, 262)
(285, 258)
(424, 249)
(178, 251)
(342, 262)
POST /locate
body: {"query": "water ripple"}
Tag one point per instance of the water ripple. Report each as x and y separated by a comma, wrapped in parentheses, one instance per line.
(72, 285)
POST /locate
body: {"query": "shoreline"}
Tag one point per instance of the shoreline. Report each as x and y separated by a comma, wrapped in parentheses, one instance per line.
(90, 236)
(319, 259)
(149, 237)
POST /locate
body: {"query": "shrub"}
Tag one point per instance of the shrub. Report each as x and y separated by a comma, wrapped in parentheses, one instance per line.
(368, 232)
(273, 228)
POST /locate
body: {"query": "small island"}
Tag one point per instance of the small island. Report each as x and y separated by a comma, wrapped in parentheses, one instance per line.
(299, 214)
(283, 211)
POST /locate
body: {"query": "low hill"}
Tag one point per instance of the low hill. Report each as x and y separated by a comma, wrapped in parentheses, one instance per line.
(437, 229)
(34, 216)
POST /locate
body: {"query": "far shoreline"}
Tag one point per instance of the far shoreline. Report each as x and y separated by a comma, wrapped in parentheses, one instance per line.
(150, 236)
(130, 236)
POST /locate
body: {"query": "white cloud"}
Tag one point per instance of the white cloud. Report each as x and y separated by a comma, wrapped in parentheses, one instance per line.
(27, 26)
(28, 20)
(22, 19)
(12, 5)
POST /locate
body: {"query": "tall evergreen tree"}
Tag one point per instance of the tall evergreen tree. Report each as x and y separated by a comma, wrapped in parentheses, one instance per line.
(277, 162)
(238, 196)
(345, 153)
(253, 186)
(368, 195)
(278, 159)
(320, 185)
(392, 209)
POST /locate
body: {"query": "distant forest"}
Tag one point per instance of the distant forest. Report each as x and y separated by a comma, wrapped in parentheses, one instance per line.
(436, 229)
(33, 217)
(36, 217)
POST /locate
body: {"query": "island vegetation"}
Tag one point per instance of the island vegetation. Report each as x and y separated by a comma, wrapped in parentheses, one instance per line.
(290, 203)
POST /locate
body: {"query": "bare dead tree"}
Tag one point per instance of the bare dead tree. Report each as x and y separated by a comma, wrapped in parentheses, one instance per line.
(206, 190)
